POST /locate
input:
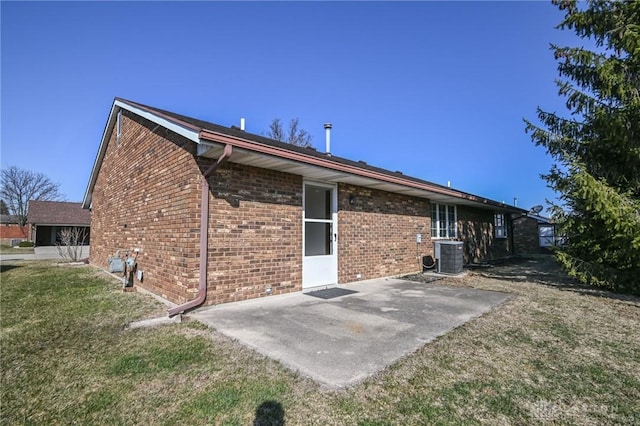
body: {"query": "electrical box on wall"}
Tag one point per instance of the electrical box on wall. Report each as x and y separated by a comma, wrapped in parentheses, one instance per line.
(418, 238)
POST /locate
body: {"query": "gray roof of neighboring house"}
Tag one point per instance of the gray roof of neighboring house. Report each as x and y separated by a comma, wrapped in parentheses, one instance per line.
(9, 218)
(58, 213)
(540, 219)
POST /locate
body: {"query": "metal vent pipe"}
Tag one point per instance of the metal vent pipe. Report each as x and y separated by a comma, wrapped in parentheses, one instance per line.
(327, 129)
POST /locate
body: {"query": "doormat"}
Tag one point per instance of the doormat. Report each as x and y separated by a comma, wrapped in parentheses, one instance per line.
(330, 293)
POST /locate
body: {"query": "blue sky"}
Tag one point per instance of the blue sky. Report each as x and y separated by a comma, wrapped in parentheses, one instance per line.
(437, 90)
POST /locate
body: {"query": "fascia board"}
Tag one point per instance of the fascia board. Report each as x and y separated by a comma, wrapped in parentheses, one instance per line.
(166, 123)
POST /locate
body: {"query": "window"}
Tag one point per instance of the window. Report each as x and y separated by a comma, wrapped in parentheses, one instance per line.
(443, 221)
(500, 228)
(318, 220)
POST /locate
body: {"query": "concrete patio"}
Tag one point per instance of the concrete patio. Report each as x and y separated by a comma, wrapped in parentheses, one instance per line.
(342, 341)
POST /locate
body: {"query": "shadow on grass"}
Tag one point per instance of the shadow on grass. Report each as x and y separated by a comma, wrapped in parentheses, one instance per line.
(544, 270)
(7, 267)
(269, 413)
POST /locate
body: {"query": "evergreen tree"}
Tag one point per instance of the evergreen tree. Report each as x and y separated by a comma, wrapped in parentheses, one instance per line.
(597, 147)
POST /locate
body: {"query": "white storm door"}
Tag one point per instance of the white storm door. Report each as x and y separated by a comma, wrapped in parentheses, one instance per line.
(320, 235)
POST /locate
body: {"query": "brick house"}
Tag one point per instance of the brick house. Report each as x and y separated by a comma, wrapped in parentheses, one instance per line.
(11, 232)
(47, 218)
(279, 218)
(533, 233)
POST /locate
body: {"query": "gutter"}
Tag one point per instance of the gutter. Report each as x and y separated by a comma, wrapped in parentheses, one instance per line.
(212, 136)
(204, 234)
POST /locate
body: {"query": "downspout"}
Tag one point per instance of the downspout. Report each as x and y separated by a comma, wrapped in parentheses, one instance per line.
(204, 236)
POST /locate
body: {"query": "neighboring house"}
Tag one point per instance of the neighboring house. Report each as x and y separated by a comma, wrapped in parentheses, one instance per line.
(47, 218)
(277, 218)
(533, 233)
(11, 233)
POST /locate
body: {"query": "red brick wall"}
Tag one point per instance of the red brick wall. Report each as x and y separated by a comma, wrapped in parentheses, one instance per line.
(526, 239)
(147, 196)
(255, 239)
(9, 231)
(377, 233)
(475, 229)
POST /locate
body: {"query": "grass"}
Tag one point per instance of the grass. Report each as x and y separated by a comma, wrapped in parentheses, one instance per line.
(556, 353)
(5, 249)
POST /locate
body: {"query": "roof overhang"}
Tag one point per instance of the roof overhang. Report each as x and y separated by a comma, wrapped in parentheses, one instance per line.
(311, 167)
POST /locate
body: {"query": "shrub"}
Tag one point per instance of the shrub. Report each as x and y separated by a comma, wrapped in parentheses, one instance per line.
(25, 244)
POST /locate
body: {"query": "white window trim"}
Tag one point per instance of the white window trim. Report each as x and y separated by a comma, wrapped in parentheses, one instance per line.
(455, 219)
(505, 230)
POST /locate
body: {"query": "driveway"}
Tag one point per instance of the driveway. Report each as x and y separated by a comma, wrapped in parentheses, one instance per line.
(43, 253)
(341, 341)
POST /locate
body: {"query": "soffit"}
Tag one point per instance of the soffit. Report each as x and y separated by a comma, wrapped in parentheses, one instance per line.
(323, 174)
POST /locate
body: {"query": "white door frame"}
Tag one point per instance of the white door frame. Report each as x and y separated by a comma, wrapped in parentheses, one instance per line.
(320, 270)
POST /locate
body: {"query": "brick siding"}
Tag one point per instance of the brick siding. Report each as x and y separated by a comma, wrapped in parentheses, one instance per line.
(475, 228)
(525, 235)
(377, 233)
(255, 238)
(11, 230)
(147, 196)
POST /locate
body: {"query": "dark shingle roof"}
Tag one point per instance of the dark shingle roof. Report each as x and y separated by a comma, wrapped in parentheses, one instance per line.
(8, 218)
(236, 132)
(58, 213)
(200, 125)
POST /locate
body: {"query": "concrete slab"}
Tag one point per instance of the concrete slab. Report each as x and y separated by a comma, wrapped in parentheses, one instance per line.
(340, 342)
(51, 252)
(19, 256)
(43, 253)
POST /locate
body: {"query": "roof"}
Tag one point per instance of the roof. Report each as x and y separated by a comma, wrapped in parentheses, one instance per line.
(540, 219)
(259, 151)
(58, 213)
(9, 219)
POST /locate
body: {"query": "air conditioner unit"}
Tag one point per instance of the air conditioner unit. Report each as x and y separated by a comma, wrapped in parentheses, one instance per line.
(449, 257)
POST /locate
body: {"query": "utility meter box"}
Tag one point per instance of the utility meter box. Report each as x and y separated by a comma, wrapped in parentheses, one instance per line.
(450, 257)
(115, 264)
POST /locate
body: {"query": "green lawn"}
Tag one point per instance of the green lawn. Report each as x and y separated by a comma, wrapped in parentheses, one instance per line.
(551, 354)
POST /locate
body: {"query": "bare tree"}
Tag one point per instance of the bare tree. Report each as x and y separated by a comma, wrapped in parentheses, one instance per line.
(71, 241)
(275, 130)
(295, 135)
(18, 186)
